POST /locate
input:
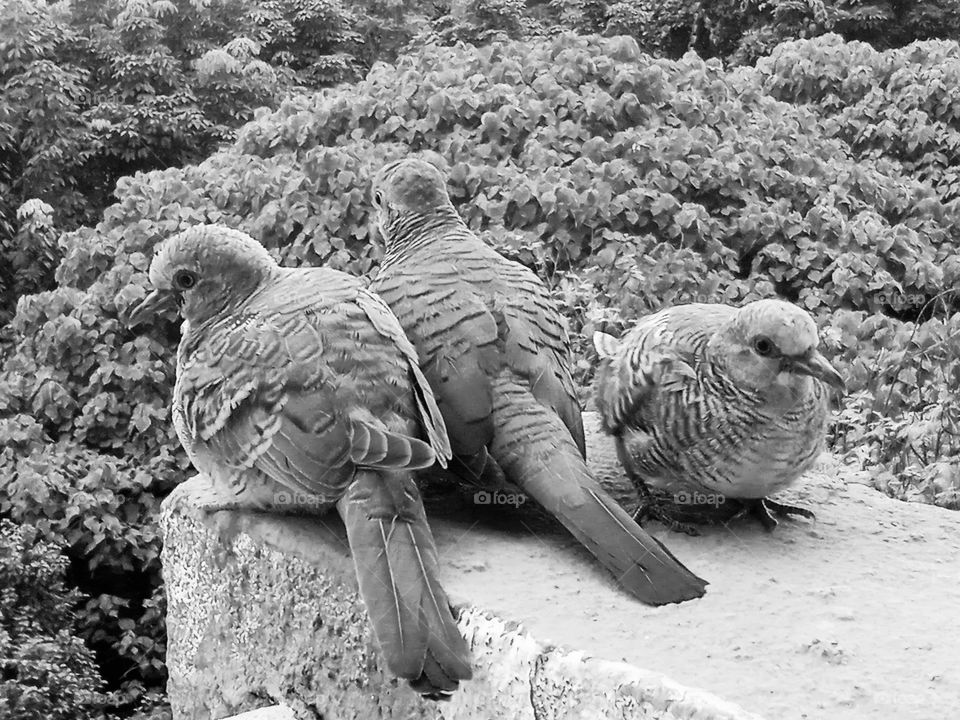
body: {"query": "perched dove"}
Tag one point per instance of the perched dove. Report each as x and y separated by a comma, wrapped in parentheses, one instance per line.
(496, 352)
(715, 401)
(301, 384)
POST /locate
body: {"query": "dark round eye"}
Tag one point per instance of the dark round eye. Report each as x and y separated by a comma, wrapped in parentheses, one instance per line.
(763, 346)
(185, 279)
(378, 197)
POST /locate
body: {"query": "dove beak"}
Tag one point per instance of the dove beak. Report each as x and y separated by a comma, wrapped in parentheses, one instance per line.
(817, 366)
(150, 306)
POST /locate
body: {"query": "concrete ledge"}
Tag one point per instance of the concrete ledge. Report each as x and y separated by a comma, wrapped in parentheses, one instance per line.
(851, 617)
(270, 712)
(250, 619)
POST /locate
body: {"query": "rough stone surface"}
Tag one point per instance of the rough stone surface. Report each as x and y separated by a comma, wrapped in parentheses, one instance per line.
(270, 712)
(850, 617)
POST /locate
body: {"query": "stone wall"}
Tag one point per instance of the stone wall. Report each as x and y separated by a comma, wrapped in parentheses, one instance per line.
(843, 618)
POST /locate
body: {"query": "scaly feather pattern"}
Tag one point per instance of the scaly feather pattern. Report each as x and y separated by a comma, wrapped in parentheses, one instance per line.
(299, 387)
(722, 400)
(496, 352)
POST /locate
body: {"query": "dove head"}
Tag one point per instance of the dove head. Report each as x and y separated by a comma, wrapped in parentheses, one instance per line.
(410, 196)
(771, 344)
(208, 269)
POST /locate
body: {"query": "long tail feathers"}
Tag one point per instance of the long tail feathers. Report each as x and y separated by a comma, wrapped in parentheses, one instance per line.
(397, 571)
(431, 418)
(535, 450)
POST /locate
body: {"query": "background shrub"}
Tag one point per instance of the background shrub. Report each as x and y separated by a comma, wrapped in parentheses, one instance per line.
(95, 91)
(743, 30)
(46, 671)
(898, 104)
(91, 92)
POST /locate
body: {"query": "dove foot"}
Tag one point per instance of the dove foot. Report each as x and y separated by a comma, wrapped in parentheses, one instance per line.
(656, 504)
(653, 509)
(198, 499)
(767, 511)
(663, 516)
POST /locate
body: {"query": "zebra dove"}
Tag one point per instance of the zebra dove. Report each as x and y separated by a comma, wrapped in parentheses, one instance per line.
(711, 401)
(495, 349)
(300, 386)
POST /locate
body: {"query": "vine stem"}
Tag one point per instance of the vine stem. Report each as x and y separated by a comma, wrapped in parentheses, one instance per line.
(916, 326)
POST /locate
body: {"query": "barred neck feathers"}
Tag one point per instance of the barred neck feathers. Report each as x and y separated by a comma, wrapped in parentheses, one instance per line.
(413, 230)
(715, 378)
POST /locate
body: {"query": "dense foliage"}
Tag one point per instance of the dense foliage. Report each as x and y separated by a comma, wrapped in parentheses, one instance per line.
(739, 31)
(91, 92)
(46, 671)
(743, 30)
(900, 104)
(95, 91)
(627, 182)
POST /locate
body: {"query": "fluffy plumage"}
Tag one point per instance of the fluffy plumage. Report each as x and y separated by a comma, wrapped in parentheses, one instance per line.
(718, 400)
(300, 383)
(495, 349)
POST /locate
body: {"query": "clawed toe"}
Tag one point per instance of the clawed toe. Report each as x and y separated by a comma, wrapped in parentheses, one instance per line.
(786, 510)
(652, 510)
(767, 511)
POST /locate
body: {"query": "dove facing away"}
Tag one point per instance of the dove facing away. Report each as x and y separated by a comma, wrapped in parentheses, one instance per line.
(299, 383)
(496, 352)
(716, 400)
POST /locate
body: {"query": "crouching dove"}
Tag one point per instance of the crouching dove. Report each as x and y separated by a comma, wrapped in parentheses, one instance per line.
(300, 383)
(496, 351)
(715, 401)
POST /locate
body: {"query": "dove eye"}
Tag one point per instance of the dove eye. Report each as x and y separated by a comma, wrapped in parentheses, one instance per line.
(185, 279)
(763, 346)
(378, 197)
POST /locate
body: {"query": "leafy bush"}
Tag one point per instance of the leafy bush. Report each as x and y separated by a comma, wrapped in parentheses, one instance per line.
(76, 466)
(900, 104)
(95, 91)
(627, 182)
(46, 671)
(91, 92)
(478, 22)
(744, 30)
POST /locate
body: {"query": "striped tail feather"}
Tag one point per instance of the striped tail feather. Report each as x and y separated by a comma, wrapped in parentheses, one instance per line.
(536, 451)
(430, 417)
(398, 574)
(375, 447)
